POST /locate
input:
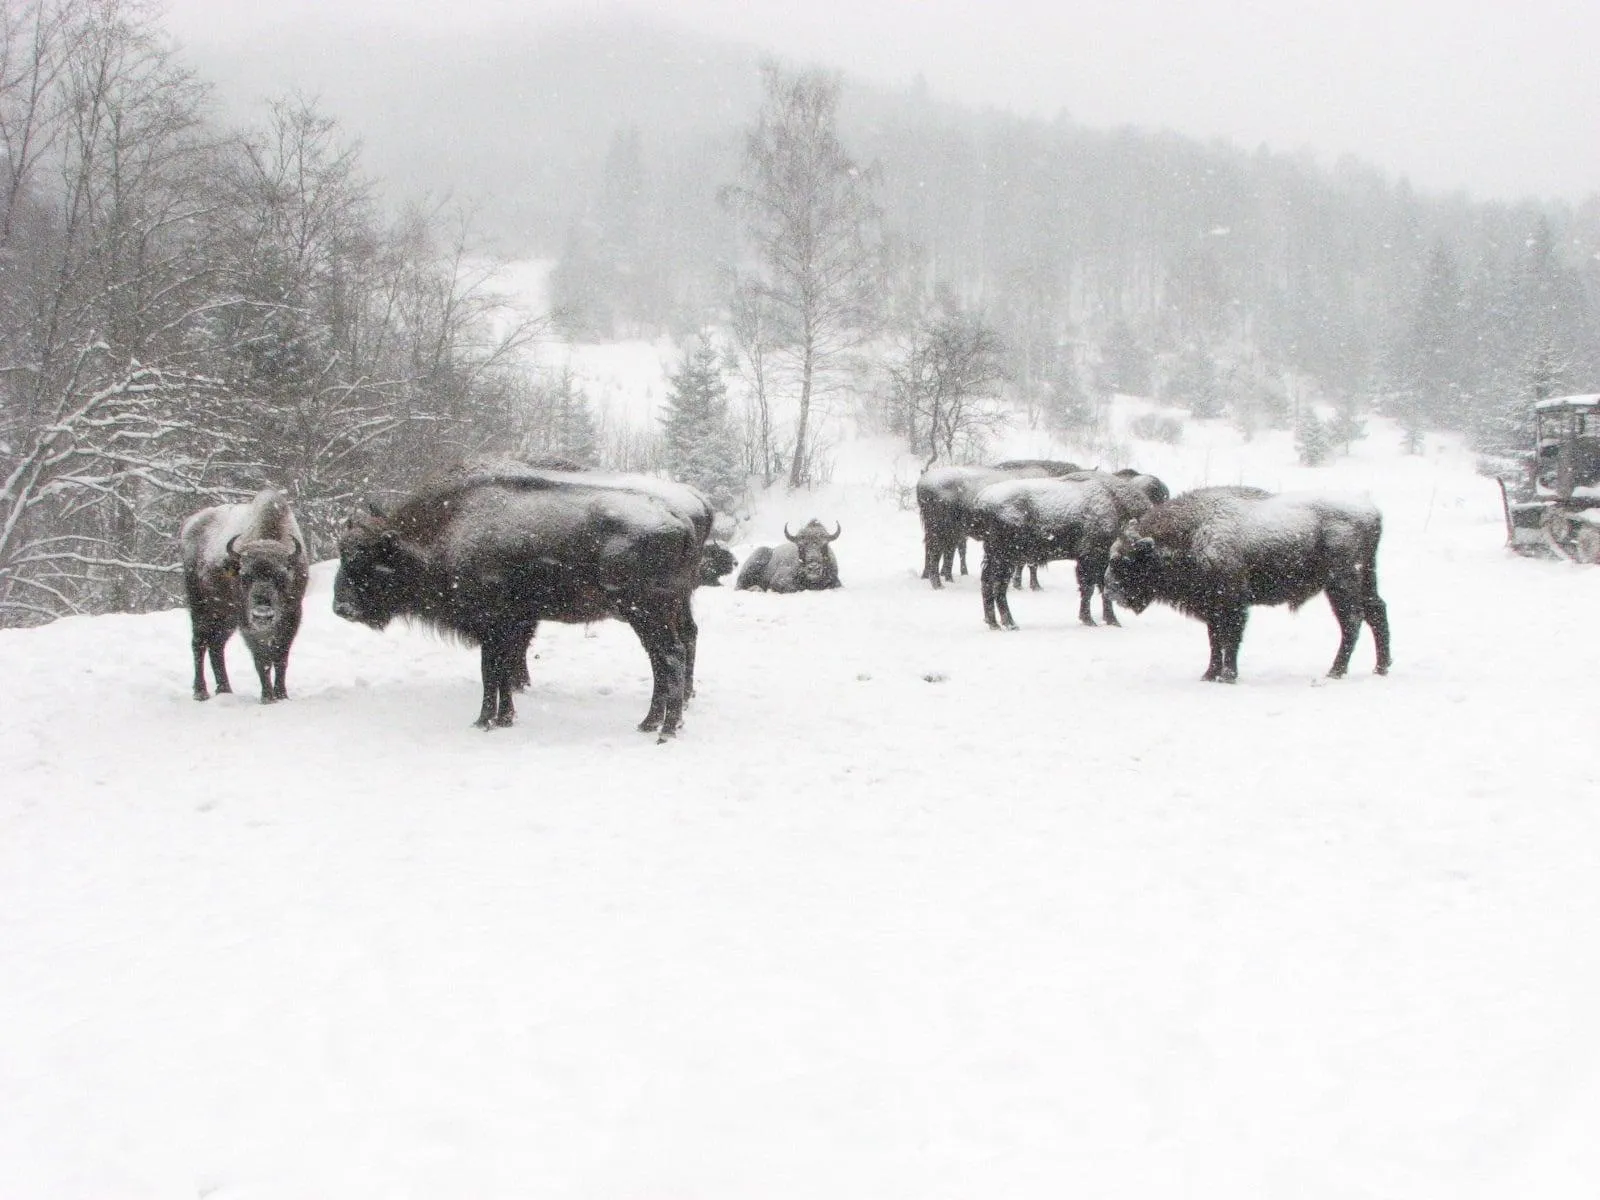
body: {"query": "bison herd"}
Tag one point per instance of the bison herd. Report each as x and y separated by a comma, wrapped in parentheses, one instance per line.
(487, 550)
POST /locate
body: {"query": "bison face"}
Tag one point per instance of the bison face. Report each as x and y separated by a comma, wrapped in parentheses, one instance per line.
(367, 588)
(816, 568)
(267, 583)
(1132, 574)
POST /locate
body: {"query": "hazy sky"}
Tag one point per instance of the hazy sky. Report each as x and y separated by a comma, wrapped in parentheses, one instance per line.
(1500, 97)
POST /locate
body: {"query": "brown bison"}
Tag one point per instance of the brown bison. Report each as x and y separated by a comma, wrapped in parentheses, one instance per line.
(244, 567)
(1213, 552)
(944, 502)
(488, 551)
(805, 564)
(1042, 520)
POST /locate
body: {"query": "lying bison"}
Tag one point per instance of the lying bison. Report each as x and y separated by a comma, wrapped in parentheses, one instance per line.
(804, 564)
(1213, 552)
(244, 568)
(488, 551)
(1042, 520)
(944, 502)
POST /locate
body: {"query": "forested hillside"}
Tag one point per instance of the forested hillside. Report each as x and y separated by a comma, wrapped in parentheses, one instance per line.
(277, 265)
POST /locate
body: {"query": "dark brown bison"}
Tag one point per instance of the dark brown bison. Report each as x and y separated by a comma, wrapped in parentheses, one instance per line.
(1213, 552)
(244, 567)
(1042, 520)
(805, 563)
(486, 552)
(944, 502)
(716, 561)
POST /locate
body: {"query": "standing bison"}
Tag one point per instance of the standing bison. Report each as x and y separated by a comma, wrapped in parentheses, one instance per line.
(1213, 552)
(1042, 520)
(486, 552)
(805, 563)
(244, 568)
(944, 502)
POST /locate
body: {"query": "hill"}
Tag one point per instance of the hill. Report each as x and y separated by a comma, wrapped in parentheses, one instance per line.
(911, 909)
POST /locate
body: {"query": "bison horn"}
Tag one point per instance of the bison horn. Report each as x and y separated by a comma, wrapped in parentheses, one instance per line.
(837, 530)
(229, 548)
(787, 534)
(299, 550)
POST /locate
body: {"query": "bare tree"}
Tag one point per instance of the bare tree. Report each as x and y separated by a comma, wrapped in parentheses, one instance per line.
(812, 220)
(946, 384)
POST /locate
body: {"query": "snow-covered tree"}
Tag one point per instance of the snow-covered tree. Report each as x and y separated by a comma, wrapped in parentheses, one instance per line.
(699, 443)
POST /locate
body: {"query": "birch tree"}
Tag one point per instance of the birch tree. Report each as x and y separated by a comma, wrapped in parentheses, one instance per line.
(813, 225)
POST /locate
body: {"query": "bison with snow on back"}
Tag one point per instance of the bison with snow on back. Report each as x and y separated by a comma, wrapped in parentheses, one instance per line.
(244, 567)
(1042, 520)
(488, 552)
(1213, 552)
(805, 563)
(944, 502)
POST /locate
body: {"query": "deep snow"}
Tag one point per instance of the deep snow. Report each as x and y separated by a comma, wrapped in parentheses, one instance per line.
(911, 908)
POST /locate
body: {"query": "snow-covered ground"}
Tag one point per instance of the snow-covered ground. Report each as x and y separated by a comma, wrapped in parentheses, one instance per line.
(910, 910)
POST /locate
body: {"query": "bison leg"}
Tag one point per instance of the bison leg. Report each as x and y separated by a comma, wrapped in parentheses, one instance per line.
(521, 678)
(208, 640)
(961, 549)
(689, 635)
(932, 557)
(498, 658)
(1376, 613)
(263, 664)
(1225, 631)
(994, 578)
(667, 668)
(1088, 577)
(1347, 610)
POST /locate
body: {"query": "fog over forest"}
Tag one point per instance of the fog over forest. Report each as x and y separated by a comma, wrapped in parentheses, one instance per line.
(226, 269)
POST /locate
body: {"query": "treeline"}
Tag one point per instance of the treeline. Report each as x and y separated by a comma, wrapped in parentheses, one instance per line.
(189, 312)
(1218, 279)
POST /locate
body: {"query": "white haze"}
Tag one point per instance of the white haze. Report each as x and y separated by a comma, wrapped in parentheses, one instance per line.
(1497, 99)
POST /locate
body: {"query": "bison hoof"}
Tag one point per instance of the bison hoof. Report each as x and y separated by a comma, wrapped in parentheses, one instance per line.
(1381, 669)
(1336, 673)
(268, 698)
(649, 724)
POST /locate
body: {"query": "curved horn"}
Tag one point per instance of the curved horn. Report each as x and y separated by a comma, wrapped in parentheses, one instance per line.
(299, 550)
(787, 534)
(228, 550)
(837, 530)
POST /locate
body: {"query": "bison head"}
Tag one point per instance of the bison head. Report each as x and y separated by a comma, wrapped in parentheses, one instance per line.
(1134, 571)
(271, 580)
(816, 568)
(368, 586)
(716, 560)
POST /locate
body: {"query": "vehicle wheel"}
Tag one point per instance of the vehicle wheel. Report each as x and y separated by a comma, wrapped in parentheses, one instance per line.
(1587, 549)
(1558, 526)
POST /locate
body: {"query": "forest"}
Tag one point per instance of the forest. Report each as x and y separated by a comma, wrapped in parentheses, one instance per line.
(199, 300)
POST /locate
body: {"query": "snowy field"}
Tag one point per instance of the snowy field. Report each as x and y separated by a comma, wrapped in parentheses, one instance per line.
(910, 910)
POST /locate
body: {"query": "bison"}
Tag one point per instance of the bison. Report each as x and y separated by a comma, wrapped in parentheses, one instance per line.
(244, 567)
(715, 562)
(1213, 552)
(487, 551)
(1041, 520)
(806, 563)
(944, 502)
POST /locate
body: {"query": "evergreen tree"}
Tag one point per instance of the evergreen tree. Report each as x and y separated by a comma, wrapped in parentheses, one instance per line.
(1311, 440)
(1125, 362)
(701, 449)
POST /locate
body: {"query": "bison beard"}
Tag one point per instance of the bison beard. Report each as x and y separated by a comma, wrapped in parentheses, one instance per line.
(487, 557)
(1213, 552)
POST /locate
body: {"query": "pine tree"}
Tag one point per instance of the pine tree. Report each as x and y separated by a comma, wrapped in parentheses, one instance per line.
(1193, 382)
(1311, 440)
(701, 449)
